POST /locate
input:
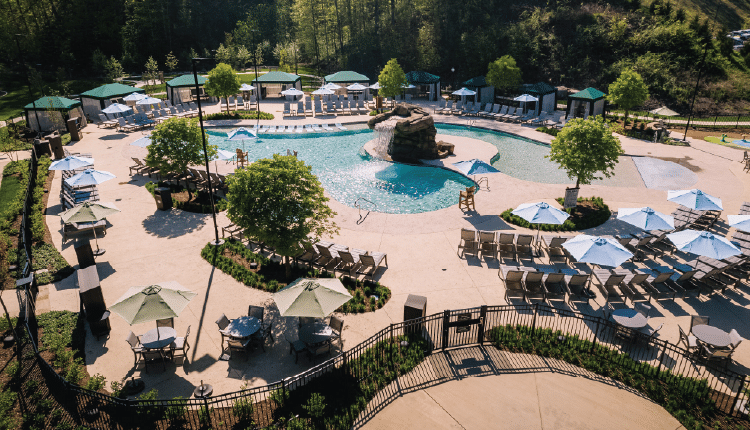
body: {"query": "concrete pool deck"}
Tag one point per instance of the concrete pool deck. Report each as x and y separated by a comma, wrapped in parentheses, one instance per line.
(146, 246)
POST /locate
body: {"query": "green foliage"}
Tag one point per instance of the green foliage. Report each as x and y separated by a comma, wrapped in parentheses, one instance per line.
(239, 115)
(392, 79)
(243, 407)
(46, 256)
(7, 420)
(116, 387)
(177, 409)
(96, 383)
(575, 223)
(113, 70)
(201, 203)
(222, 82)
(315, 406)
(152, 70)
(585, 147)
(63, 333)
(504, 74)
(550, 131)
(176, 144)
(171, 62)
(628, 91)
(281, 203)
(13, 370)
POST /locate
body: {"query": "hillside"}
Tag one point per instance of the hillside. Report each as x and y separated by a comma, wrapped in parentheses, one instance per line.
(733, 14)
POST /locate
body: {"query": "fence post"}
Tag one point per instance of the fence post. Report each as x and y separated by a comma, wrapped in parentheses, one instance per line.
(596, 333)
(716, 119)
(663, 353)
(738, 122)
(740, 390)
(482, 322)
(343, 357)
(446, 320)
(533, 321)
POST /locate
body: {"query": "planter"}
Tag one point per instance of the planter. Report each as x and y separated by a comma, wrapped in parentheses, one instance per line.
(8, 341)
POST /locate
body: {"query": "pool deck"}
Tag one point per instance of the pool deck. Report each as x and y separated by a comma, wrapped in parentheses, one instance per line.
(145, 246)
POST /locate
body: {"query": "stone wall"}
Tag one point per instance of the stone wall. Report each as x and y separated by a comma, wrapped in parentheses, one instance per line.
(413, 136)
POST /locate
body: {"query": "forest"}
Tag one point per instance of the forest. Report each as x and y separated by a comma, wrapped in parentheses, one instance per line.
(562, 42)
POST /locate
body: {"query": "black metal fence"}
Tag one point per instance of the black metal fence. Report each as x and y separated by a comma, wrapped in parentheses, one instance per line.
(26, 287)
(449, 329)
(738, 120)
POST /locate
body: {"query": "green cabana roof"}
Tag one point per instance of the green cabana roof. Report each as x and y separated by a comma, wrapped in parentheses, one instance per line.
(588, 94)
(477, 82)
(420, 77)
(277, 78)
(539, 88)
(109, 91)
(185, 81)
(347, 77)
(46, 103)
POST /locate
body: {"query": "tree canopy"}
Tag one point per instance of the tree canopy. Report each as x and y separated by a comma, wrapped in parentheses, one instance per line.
(280, 202)
(222, 81)
(628, 91)
(392, 79)
(585, 147)
(504, 74)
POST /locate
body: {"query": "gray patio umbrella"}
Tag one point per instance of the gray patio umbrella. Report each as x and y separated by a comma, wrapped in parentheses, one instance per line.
(664, 111)
(71, 162)
(311, 297)
(145, 304)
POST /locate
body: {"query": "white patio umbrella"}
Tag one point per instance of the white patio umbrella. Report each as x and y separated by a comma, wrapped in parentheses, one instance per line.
(241, 134)
(375, 86)
(144, 304)
(89, 177)
(224, 155)
(356, 87)
(314, 298)
(71, 162)
(597, 250)
(89, 212)
(695, 199)
(148, 101)
(664, 111)
(134, 97)
(646, 218)
(143, 141)
(540, 213)
(703, 243)
(463, 92)
(525, 98)
(246, 87)
(116, 108)
(332, 86)
(292, 92)
(740, 222)
(323, 91)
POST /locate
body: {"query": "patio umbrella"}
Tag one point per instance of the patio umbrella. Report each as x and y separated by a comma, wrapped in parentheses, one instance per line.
(246, 87)
(356, 87)
(222, 154)
(115, 108)
(292, 92)
(474, 167)
(525, 98)
(134, 97)
(241, 134)
(740, 222)
(323, 91)
(314, 298)
(540, 213)
(332, 86)
(695, 199)
(89, 212)
(148, 101)
(143, 141)
(664, 111)
(703, 243)
(375, 86)
(144, 304)
(71, 162)
(463, 92)
(646, 218)
(89, 177)
(597, 250)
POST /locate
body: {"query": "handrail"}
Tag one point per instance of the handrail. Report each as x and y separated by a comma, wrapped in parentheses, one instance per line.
(360, 209)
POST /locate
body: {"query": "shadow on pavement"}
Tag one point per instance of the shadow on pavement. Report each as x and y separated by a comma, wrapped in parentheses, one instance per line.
(174, 223)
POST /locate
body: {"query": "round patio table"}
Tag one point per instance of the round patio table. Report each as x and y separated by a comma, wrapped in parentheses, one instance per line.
(242, 327)
(315, 333)
(629, 318)
(158, 337)
(712, 335)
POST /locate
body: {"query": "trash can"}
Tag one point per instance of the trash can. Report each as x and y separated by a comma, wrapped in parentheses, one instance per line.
(414, 308)
(56, 147)
(75, 134)
(163, 197)
(41, 147)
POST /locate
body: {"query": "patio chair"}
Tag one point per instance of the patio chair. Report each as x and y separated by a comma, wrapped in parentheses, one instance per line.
(180, 344)
(316, 128)
(350, 261)
(440, 106)
(222, 322)
(643, 309)
(734, 339)
(295, 346)
(340, 126)
(166, 322)
(124, 126)
(256, 312)
(651, 332)
(690, 341)
(238, 345)
(315, 351)
(287, 111)
(139, 166)
(308, 107)
(327, 258)
(327, 127)
(448, 107)
(299, 129)
(718, 354)
(659, 288)
(330, 109)
(488, 243)
(685, 284)
(577, 288)
(458, 107)
(466, 198)
(301, 109)
(486, 111)
(501, 114)
(534, 285)
(555, 250)
(318, 108)
(525, 246)
(636, 289)
(506, 244)
(468, 242)
(337, 327)
(305, 321)
(103, 121)
(370, 263)
(554, 283)
(698, 320)
(136, 347)
(513, 283)
(240, 102)
(151, 356)
(263, 333)
(309, 253)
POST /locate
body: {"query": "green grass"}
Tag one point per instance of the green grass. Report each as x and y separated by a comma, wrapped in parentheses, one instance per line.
(12, 104)
(9, 189)
(717, 140)
(158, 88)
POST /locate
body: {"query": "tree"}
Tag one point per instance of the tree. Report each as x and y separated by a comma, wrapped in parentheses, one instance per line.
(8, 146)
(628, 91)
(243, 56)
(171, 62)
(503, 73)
(176, 144)
(585, 147)
(392, 79)
(281, 203)
(222, 82)
(224, 54)
(152, 70)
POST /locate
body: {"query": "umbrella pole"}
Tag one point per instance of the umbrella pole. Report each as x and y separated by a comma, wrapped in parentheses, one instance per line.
(98, 251)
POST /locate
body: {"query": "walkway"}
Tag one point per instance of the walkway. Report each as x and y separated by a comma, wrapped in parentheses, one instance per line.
(483, 388)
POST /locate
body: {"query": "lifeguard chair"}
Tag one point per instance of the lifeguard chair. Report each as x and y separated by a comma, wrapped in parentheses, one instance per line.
(466, 199)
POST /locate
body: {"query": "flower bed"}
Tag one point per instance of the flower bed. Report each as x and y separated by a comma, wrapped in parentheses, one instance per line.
(199, 203)
(243, 114)
(590, 212)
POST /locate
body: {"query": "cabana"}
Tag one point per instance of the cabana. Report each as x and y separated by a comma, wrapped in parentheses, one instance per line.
(182, 88)
(346, 78)
(584, 103)
(426, 83)
(273, 83)
(547, 95)
(52, 113)
(93, 101)
(485, 91)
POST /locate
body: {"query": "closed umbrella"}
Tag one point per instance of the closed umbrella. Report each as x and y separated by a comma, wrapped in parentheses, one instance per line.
(313, 298)
(474, 167)
(597, 250)
(143, 141)
(540, 213)
(740, 222)
(89, 212)
(703, 243)
(89, 177)
(695, 199)
(155, 302)
(646, 218)
(71, 162)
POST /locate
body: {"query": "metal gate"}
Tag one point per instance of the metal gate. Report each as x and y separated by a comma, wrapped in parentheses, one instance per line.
(463, 327)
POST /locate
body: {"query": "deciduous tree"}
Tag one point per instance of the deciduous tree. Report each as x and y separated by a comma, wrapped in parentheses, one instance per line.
(503, 73)
(222, 82)
(628, 91)
(392, 79)
(152, 70)
(171, 61)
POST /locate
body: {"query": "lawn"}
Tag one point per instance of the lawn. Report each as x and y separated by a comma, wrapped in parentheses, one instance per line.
(11, 105)
(8, 193)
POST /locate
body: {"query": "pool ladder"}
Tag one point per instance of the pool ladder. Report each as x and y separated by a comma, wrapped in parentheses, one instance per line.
(359, 207)
(471, 123)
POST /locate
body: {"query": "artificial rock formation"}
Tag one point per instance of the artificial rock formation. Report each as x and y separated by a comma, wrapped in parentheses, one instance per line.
(413, 136)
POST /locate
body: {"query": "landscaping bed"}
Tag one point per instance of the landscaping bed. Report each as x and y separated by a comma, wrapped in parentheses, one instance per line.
(590, 212)
(234, 259)
(197, 201)
(239, 114)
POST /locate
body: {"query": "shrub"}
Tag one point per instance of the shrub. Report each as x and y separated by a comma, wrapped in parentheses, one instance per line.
(239, 115)
(550, 131)
(575, 222)
(96, 382)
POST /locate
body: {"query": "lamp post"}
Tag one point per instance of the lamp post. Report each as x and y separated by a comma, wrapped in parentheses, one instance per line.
(217, 242)
(453, 75)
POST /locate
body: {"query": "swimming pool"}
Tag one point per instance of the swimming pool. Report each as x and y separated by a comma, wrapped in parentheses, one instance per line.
(348, 173)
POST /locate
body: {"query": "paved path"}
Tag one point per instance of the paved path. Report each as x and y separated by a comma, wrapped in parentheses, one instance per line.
(483, 388)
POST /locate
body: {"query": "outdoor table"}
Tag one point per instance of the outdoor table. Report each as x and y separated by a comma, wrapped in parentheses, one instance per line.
(242, 327)
(315, 333)
(711, 335)
(158, 338)
(629, 318)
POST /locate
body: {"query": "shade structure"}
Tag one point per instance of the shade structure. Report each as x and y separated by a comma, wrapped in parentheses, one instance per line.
(241, 134)
(695, 199)
(597, 250)
(323, 92)
(116, 108)
(526, 98)
(703, 243)
(740, 222)
(246, 87)
(143, 141)
(134, 97)
(409, 87)
(541, 213)
(356, 87)
(89, 177)
(145, 304)
(474, 167)
(646, 218)
(347, 77)
(292, 92)
(664, 111)
(71, 162)
(148, 101)
(224, 155)
(89, 212)
(313, 298)
(331, 86)
(375, 86)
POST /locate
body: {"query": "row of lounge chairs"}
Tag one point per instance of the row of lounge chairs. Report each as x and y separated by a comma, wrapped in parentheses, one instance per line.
(308, 128)
(147, 118)
(72, 196)
(500, 113)
(231, 102)
(304, 109)
(196, 177)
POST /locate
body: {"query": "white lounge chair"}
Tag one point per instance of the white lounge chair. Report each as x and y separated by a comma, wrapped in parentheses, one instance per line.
(299, 129)
(271, 129)
(316, 128)
(340, 127)
(327, 127)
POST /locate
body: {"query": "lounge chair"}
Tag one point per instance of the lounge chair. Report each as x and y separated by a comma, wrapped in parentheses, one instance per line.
(636, 289)
(316, 128)
(577, 288)
(361, 107)
(486, 111)
(525, 246)
(488, 244)
(271, 129)
(513, 280)
(468, 242)
(612, 288)
(556, 287)
(506, 244)
(300, 109)
(448, 107)
(340, 127)
(330, 109)
(308, 128)
(457, 108)
(318, 108)
(308, 107)
(287, 111)
(466, 108)
(124, 126)
(502, 114)
(659, 288)
(439, 107)
(371, 261)
(299, 129)
(476, 109)
(327, 127)
(534, 285)
(351, 261)
(103, 121)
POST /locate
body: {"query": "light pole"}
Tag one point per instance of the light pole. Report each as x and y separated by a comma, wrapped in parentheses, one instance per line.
(218, 241)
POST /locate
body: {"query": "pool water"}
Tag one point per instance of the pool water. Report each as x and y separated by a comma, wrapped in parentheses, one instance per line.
(348, 174)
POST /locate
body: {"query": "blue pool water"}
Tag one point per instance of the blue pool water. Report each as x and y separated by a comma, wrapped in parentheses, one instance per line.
(347, 173)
